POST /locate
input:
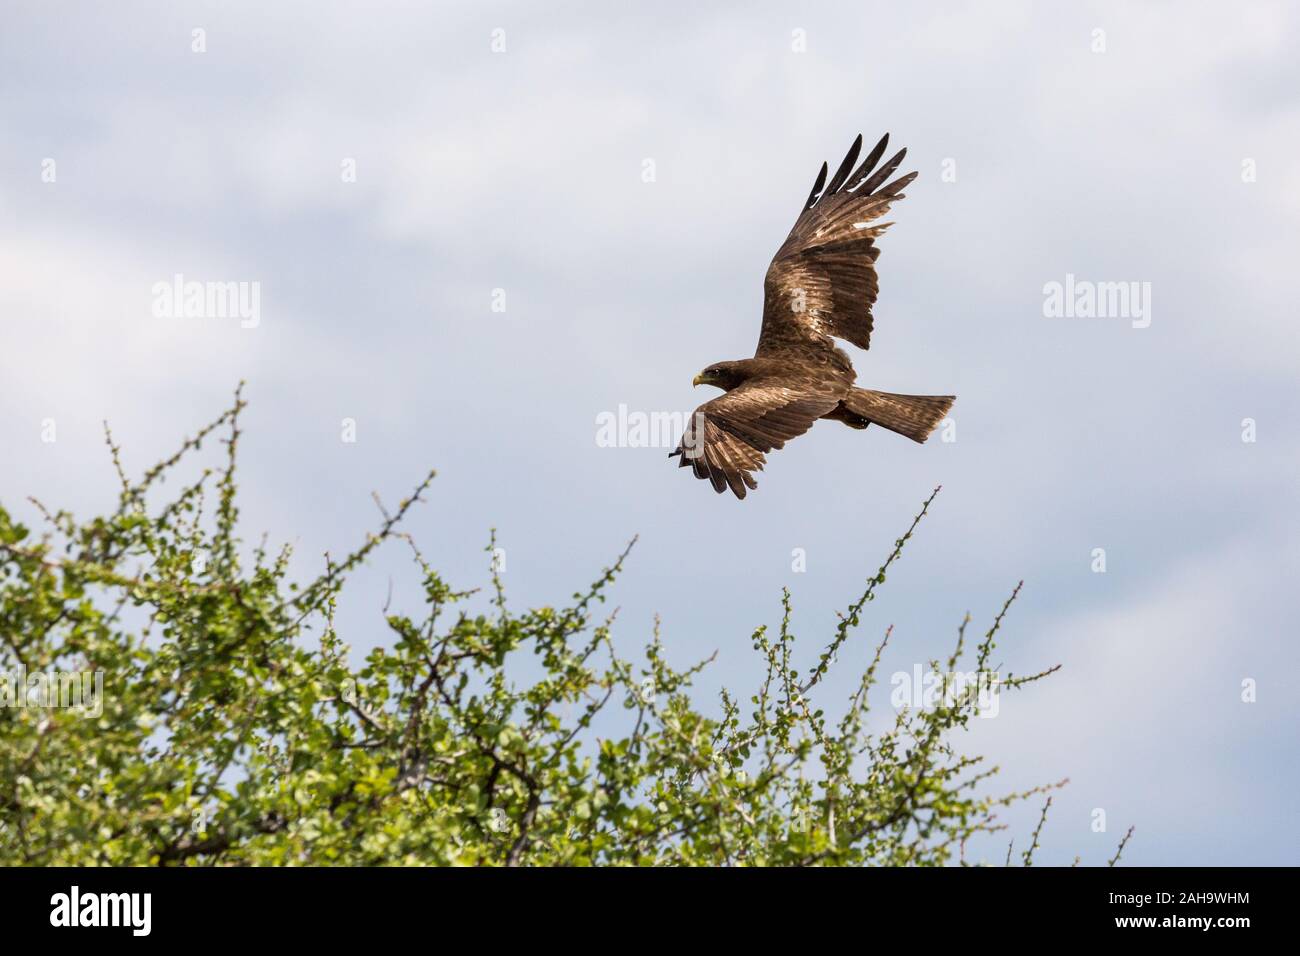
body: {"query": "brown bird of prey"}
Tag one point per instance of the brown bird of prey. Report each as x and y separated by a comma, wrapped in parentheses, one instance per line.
(820, 286)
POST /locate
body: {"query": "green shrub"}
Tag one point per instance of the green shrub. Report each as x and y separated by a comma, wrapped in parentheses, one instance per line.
(232, 730)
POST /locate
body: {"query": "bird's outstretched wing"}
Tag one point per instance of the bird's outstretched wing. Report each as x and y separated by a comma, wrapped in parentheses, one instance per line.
(822, 281)
(726, 438)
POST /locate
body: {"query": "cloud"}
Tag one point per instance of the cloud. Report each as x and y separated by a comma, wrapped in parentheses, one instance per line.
(1147, 719)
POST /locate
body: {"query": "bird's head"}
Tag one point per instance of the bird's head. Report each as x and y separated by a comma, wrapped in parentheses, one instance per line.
(723, 375)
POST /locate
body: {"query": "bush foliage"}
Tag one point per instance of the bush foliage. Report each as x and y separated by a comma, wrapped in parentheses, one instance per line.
(232, 728)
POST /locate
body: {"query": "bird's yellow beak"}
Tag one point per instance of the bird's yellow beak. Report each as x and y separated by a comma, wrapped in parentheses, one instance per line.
(697, 380)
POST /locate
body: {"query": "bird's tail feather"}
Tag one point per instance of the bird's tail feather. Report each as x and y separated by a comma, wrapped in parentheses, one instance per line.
(914, 416)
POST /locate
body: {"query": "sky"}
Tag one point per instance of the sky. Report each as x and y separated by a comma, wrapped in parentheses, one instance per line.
(475, 229)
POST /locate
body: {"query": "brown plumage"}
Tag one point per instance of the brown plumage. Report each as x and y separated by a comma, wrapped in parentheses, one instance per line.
(820, 286)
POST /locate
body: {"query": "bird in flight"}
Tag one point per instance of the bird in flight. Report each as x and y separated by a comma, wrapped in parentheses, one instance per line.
(820, 286)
